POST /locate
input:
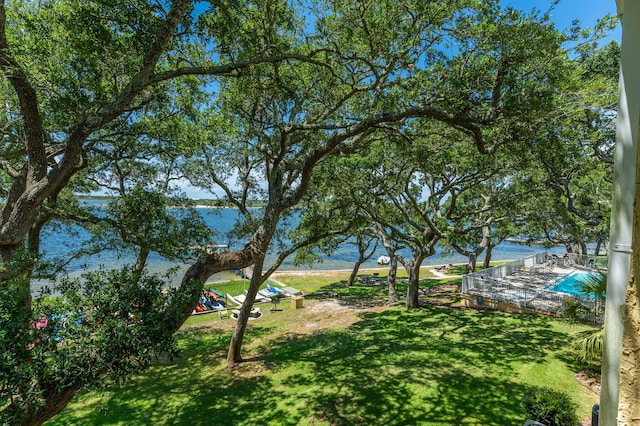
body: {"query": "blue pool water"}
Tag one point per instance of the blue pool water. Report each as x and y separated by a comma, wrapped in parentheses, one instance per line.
(572, 283)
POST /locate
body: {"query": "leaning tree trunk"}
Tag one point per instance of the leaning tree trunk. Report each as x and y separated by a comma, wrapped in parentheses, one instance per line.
(235, 347)
(354, 271)
(141, 260)
(487, 256)
(362, 257)
(198, 273)
(583, 247)
(55, 400)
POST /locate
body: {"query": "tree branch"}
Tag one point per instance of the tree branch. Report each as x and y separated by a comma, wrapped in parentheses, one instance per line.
(28, 100)
(8, 168)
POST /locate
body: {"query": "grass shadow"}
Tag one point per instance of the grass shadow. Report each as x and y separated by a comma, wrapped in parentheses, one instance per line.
(428, 366)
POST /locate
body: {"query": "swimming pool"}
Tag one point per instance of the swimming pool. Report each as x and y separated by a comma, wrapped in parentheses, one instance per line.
(572, 283)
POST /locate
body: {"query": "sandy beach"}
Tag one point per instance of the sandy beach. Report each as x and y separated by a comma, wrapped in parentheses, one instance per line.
(380, 270)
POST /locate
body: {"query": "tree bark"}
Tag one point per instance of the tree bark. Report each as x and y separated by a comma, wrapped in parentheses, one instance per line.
(629, 391)
(413, 270)
(55, 400)
(487, 256)
(354, 273)
(473, 259)
(629, 408)
(596, 250)
(391, 278)
(234, 355)
(141, 260)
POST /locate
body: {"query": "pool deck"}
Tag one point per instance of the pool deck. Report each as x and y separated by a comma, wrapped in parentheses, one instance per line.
(526, 289)
(539, 275)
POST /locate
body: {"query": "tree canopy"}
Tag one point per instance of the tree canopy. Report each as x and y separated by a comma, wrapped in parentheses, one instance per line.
(437, 104)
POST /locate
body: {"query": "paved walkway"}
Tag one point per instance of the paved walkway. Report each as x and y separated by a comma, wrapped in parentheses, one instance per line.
(440, 274)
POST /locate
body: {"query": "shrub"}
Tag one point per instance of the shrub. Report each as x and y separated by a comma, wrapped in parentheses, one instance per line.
(551, 407)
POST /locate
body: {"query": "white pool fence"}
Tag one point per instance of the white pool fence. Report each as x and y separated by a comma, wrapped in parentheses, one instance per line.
(490, 283)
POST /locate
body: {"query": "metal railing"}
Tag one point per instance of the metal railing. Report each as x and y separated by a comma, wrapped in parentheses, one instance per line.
(582, 260)
(488, 284)
(470, 281)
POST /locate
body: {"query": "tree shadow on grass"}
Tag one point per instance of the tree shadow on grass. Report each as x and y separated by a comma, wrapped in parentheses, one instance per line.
(396, 367)
(355, 296)
(358, 295)
(387, 370)
(189, 388)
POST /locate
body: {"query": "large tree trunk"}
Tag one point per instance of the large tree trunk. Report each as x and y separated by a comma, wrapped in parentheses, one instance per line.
(413, 270)
(55, 400)
(583, 248)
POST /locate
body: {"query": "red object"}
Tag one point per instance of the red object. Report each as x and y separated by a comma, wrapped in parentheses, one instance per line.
(41, 323)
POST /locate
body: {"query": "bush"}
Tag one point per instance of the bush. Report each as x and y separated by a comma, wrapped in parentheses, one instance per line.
(551, 407)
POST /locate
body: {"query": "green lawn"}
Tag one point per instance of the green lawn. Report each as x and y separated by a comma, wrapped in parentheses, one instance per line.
(321, 365)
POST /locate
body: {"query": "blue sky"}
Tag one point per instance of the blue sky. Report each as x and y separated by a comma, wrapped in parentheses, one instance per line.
(564, 13)
(586, 11)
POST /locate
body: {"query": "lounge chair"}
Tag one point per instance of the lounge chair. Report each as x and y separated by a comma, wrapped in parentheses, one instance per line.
(285, 290)
(266, 293)
(260, 297)
(290, 291)
(274, 290)
(237, 300)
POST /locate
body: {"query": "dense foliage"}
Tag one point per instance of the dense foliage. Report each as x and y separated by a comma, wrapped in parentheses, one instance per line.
(259, 100)
(550, 407)
(96, 331)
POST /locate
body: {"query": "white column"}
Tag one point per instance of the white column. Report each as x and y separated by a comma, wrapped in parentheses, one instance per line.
(621, 211)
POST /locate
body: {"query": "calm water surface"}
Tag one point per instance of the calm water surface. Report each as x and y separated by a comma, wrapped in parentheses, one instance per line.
(62, 240)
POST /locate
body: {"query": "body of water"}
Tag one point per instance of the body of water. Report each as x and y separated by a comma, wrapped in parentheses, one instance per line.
(60, 241)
